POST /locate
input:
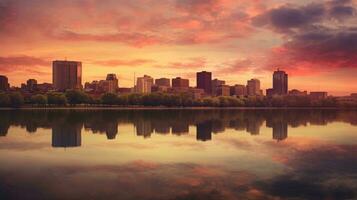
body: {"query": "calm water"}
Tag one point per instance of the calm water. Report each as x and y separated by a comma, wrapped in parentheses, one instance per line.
(178, 154)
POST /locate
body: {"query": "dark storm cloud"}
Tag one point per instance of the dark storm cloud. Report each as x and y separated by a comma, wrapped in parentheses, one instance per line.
(313, 39)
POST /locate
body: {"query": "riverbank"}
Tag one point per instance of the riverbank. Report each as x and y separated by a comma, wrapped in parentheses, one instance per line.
(172, 108)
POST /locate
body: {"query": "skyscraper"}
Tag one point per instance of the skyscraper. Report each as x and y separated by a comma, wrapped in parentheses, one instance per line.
(67, 75)
(280, 83)
(253, 87)
(144, 84)
(4, 83)
(204, 81)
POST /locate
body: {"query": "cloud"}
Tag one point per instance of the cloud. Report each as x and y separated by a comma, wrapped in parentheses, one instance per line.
(312, 40)
(22, 63)
(237, 66)
(132, 23)
(116, 63)
(192, 63)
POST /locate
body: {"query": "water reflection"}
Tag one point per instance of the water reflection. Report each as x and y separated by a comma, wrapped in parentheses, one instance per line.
(67, 125)
(178, 154)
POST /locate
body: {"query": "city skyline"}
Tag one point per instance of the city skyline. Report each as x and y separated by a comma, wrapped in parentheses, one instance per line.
(313, 41)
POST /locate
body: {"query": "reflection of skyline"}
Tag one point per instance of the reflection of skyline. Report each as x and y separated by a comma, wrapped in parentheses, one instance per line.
(204, 131)
(66, 125)
(65, 135)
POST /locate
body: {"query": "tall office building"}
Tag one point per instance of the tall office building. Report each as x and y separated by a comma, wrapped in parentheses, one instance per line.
(253, 87)
(280, 82)
(162, 82)
(144, 84)
(67, 75)
(204, 81)
(4, 83)
(180, 83)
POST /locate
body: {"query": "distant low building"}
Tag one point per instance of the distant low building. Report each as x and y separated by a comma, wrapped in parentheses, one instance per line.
(179, 82)
(159, 88)
(44, 87)
(295, 92)
(196, 93)
(223, 90)
(270, 92)
(163, 82)
(354, 95)
(318, 95)
(125, 90)
(238, 90)
(215, 84)
(31, 85)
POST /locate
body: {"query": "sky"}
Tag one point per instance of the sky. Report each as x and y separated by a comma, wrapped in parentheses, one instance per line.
(314, 41)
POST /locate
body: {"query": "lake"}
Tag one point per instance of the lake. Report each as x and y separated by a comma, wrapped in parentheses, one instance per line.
(178, 154)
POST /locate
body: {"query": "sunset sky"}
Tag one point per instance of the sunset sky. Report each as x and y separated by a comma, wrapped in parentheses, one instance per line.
(314, 41)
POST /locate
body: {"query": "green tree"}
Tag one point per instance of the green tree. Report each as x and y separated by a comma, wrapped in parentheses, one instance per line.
(56, 98)
(39, 99)
(76, 97)
(109, 99)
(16, 99)
(4, 100)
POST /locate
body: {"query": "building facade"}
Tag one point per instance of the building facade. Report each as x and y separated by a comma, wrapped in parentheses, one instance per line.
(223, 90)
(238, 90)
(253, 87)
(4, 83)
(112, 83)
(215, 84)
(280, 83)
(204, 81)
(31, 85)
(144, 84)
(162, 82)
(179, 82)
(66, 75)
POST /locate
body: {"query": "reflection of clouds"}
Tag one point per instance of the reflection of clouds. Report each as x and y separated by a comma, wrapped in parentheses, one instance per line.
(316, 172)
(23, 145)
(137, 179)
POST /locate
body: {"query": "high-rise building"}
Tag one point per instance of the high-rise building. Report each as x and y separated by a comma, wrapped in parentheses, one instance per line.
(112, 83)
(215, 84)
(144, 84)
(31, 85)
(280, 82)
(180, 83)
(4, 83)
(238, 90)
(162, 82)
(67, 75)
(204, 81)
(253, 87)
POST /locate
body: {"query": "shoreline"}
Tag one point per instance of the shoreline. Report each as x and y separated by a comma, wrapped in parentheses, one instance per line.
(173, 108)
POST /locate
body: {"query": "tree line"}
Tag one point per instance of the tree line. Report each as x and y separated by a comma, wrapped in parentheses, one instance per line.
(77, 97)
